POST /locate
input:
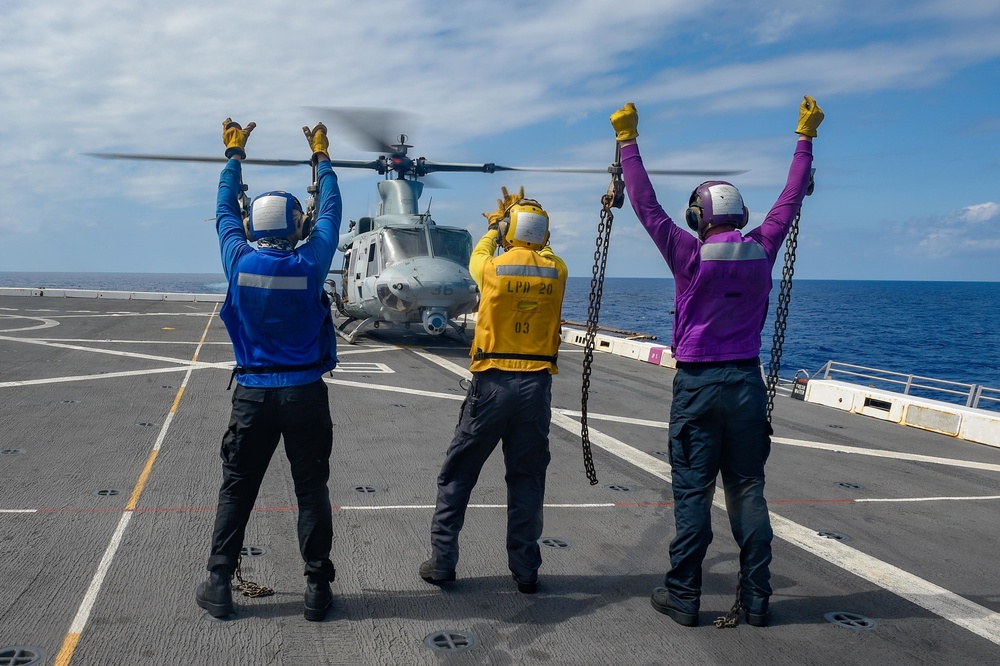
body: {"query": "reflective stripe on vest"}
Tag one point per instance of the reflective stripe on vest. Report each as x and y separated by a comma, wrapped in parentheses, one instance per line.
(732, 252)
(529, 271)
(299, 283)
(517, 328)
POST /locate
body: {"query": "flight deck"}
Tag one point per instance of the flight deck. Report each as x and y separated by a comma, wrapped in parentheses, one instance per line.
(112, 412)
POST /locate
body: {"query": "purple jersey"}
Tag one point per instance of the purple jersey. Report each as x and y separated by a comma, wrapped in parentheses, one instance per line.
(722, 283)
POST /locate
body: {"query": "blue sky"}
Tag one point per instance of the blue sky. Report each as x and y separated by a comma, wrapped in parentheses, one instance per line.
(908, 158)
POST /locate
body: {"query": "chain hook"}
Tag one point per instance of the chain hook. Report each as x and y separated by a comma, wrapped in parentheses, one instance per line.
(615, 198)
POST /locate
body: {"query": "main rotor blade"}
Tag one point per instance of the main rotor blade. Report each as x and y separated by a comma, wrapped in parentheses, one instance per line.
(431, 167)
(657, 172)
(339, 164)
(428, 167)
(374, 129)
(192, 158)
(455, 167)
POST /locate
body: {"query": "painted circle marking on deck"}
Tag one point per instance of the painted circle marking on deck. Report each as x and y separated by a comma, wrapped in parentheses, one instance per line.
(45, 323)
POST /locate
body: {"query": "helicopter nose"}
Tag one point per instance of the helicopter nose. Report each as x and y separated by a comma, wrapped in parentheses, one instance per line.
(435, 320)
(394, 300)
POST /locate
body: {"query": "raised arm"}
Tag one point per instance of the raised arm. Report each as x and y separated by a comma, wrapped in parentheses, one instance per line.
(678, 247)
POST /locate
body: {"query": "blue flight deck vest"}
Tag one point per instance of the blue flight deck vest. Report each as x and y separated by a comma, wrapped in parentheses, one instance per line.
(279, 320)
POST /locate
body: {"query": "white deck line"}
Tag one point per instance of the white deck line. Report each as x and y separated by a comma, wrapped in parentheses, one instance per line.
(79, 622)
(944, 603)
(974, 425)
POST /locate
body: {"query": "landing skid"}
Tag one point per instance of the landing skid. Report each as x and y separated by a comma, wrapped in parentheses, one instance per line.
(352, 336)
(462, 335)
(374, 322)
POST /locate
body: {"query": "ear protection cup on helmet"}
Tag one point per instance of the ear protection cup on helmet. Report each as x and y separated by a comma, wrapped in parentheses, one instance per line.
(527, 225)
(724, 205)
(693, 217)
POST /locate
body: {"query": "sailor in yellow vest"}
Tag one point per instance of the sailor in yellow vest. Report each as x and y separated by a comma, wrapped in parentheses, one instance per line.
(509, 400)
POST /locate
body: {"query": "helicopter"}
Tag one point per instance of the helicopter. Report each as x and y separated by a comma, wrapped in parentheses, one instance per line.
(400, 268)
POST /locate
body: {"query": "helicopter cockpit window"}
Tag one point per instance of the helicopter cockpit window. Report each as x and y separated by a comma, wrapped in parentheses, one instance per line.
(451, 244)
(400, 244)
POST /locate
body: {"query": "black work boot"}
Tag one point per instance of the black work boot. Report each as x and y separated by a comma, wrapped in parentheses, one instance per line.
(318, 598)
(525, 586)
(660, 599)
(215, 594)
(432, 573)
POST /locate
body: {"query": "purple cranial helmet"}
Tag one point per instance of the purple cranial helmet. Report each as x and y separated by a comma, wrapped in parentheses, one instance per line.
(715, 202)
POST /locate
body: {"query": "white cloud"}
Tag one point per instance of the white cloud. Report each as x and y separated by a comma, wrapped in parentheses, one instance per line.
(972, 230)
(524, 82)
(980, 213)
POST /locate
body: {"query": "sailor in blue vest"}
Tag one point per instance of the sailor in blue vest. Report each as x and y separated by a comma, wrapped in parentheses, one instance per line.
(279, 320)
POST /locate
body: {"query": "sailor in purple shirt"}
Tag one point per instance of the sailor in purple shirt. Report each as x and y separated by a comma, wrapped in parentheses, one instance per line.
(718, 416)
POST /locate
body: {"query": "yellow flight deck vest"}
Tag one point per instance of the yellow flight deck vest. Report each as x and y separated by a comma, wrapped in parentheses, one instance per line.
(520, 308)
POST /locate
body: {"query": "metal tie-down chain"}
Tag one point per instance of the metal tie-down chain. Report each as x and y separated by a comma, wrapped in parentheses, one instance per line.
(249, 588)
(781, 314)
(732, 618)
(614, 198)
(784, 299)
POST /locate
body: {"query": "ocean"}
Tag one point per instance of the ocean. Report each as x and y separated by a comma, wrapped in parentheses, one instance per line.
(943, 330)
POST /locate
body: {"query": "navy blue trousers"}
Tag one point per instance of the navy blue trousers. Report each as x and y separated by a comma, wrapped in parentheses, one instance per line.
(260, 417)
(718, 423)
(513, 407)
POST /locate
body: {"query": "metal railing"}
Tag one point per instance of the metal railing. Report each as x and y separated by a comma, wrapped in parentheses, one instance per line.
(987, 394)
(973, 395)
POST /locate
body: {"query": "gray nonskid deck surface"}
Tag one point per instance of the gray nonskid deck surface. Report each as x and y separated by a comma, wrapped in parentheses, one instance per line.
(87, 407)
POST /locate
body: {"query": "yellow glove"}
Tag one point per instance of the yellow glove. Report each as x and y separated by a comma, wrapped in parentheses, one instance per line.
(235, 138)
(317, 140)
(626, 122)
(503, 206)
(810, 116)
